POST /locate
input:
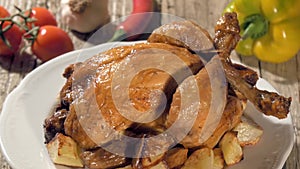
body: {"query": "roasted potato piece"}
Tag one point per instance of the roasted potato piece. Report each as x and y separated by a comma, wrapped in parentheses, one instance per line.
(64, 150)
(249, 133)
(176, 157)
(218, 159)
(200, 159)
(231, 148)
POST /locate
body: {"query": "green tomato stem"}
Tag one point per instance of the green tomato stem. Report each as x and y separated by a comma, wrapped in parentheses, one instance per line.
(25, 15)
(2, 31)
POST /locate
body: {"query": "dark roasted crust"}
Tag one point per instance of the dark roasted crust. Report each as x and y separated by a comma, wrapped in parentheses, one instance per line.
(250, 76)
(54, 124)
(269, 103)
(227, 34)
(273, 104)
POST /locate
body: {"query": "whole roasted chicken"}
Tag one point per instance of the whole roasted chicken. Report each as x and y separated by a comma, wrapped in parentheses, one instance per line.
(140, 92)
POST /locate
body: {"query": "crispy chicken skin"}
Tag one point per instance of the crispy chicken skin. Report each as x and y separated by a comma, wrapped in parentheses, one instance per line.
(95, 105)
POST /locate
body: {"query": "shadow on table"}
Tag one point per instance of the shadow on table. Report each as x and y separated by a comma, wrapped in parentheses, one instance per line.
(23, 63)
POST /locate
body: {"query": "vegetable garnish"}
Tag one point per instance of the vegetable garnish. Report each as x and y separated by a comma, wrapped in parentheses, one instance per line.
(136, 23)
(38, 27)
(269, 28)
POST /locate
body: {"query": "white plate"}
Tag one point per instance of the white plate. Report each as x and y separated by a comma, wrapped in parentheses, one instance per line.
(24, 110)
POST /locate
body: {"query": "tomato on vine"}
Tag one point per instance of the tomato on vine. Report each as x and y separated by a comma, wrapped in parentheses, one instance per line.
(10, 35)
(50, 42)
(37, 26)
(42, 16)
(10, 38)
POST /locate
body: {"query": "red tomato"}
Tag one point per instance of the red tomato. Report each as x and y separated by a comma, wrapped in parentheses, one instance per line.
(43, 17)
(3, 12)
(51, 42)
(14, 37)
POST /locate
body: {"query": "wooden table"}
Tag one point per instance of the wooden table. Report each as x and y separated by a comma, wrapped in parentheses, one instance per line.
(284, 77)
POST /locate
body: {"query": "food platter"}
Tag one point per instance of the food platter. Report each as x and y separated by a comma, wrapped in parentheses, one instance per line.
(24, 110)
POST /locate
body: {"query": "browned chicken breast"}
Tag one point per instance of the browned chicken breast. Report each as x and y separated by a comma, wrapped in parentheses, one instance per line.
(95, 105)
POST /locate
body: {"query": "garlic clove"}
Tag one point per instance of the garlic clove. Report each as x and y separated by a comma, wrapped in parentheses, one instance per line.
(84, 16)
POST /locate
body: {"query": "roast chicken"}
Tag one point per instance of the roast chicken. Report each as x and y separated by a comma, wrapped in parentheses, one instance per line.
(88, 111)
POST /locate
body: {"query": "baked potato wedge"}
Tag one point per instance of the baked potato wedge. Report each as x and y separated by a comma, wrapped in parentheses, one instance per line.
(248, 132)
(231, 148)
(64, 150)
(201, 159)
(218, 159)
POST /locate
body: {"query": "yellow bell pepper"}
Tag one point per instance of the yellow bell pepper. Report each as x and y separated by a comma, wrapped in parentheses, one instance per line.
(270, 29)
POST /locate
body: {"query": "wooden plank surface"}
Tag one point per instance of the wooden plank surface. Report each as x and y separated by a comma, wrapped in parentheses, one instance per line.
(284, 77)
